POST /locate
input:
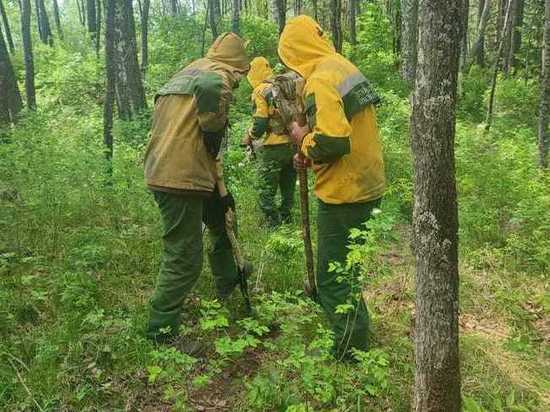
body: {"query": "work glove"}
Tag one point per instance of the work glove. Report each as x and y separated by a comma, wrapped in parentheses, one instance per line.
(228, 202)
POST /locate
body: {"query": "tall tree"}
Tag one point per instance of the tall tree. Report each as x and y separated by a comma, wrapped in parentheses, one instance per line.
(352, 21)
(144, 35)
(409, 37)
(91, 17)
(478, 49)
(544, 112)
(10, 98)
(110, 68)
(98, 27)
(336, 24)
(496, 67)
(129, 85)
(235, 18)
(280, 13)
(465, 46)
(81, 12)
(7, 29)
(27, 51)
(435, 216)
(57, 19)
(213, 18)
(43, 20)
(515, 36)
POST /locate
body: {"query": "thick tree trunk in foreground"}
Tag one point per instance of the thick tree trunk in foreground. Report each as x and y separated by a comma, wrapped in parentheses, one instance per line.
(435, 217)
(145, 35)
(336, 24)
(57, 19)
(544, 114)
(409, 37)
(10, 99)
(478, 50)
(7, 29)
(27, 50)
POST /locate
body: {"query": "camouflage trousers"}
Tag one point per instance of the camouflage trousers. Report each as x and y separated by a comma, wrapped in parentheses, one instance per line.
(276, 172)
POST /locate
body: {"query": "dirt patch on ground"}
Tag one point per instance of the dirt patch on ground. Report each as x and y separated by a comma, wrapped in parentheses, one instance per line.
(491, 328)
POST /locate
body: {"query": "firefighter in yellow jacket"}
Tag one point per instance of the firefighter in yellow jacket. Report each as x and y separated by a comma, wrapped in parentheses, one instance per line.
(342, 143)
(189, 123)
(276, 153)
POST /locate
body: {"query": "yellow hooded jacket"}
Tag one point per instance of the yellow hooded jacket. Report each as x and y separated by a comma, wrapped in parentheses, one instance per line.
(266, 117)
(344, 142)
(195, 100)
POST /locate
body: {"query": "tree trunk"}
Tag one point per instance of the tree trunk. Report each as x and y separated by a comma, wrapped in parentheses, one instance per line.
(515, 40)
(315, 6)
(352, 22)
(98, 28)
(489, 118)
(173, 7)
(280, 10)
(129, 86)
(57, 19)
(110, 68)
(27, 50)
(10, 98)
(235, 19)
(409, 37)
(478, 50)
(7, 29)
(544, 113)
(213, 18)
(465, 47)
(512, 5)
(336, 24)
(435, 216)
(144, 36)
(44, 23)
(81, 12)
(91, 18)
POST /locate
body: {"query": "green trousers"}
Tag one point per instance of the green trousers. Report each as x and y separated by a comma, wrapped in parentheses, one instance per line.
(277, 172)
(182, 257)
(334, 223)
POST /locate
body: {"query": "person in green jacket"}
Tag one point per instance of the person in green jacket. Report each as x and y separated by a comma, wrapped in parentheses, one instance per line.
(189, 122)
(276, 169)
(342, 143)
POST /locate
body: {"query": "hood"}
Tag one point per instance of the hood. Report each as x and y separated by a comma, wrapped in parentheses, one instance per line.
(260, 70)
(302, 44)
(229, 49)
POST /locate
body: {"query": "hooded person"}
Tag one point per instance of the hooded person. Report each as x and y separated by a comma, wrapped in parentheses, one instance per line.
(341, 142)
(276, 153)
(189, 123)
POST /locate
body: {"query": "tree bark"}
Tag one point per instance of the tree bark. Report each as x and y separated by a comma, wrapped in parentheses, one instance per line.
(213, 18)
(409, 37)
(81, 12)
(7, 29)
(336, 24)
(515, 39)
(130, 94)
(43, 23)
(489, 118)
(91, 18)
(315, 6)
(352, 22)
(465, 47)
(98, 27)
(544, 112)
(57, 19)
(478, 50)
(10, 98)
(235, 19)
(280, 13)
(435, 216)
(145, 36)
(27, 51)
(110, 68)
